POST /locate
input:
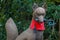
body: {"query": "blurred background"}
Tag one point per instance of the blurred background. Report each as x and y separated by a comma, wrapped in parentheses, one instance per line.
(21, 12)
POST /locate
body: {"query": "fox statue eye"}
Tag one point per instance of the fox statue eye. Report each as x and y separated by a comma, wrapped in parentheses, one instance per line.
(42, 14)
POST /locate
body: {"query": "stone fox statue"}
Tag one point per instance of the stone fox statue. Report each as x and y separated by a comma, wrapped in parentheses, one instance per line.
(35, 30)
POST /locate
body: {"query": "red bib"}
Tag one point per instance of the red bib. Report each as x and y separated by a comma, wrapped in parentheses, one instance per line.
(37, 25)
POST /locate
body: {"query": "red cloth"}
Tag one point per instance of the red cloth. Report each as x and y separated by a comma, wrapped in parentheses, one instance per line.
(37, 25)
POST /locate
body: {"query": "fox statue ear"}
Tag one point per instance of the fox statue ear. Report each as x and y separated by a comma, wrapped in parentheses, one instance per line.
(44, 6)
(34, 6)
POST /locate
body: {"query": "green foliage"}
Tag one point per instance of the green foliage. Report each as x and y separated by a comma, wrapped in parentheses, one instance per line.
(21, 12)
